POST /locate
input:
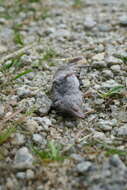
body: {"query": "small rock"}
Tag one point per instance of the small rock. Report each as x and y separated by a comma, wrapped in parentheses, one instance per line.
(37, 138)
(77, 157)
(31, 126)
(99, 65)
(3, 49)
(117, 162)
(116, 68)
(86, 83)
(29, 174)
(21, 175)
(109, 84)
(2, 111)
(123, 20)
(99, 101)
(112, 60)
(122, 131)
(106, 125)
(89, 22)
(45, 122)
(107, 73)
(18, 139)
(26, 59)
(83, 166)
(99, 136)
(23, 92)
(98, 57)
(62, 33)
(23, 159)
(104, 28)
(9, 185)
(43, 104)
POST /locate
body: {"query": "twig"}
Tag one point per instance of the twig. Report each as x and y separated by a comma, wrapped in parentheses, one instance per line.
(11, 116)
(17, 53)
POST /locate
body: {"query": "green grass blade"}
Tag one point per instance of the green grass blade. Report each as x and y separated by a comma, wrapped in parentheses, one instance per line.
(22, 74)
(6, 134)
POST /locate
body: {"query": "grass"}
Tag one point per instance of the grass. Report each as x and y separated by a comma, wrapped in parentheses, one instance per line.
(52, 153)
(22, 74)
(49, 53)
(123, 58)
(4, 136)
(112, 151)
(45, 13)
(98, 147)
(113, 91)
(77, 3)
(18, 39)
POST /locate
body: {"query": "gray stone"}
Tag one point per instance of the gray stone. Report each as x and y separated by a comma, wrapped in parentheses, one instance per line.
(99, 136)
(45, 122)
(109, 84)
(21, 175)
(117, 162)
(3, 49)
(29, 174)
(89, 22)
(23, 92)
(104, 28)
(112, 60)
(107, 73)
(99, 65)
(122, 131)
(106, 125)
(23, 159)
(116, 68)
(31, 125)
(77, 157)
(18, 139)
(37, 138)
(83, 166)
(43, 104)
(2, 110)
(123, 20)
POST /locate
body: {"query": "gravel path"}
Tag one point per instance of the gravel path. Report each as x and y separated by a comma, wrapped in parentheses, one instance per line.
(39, 149)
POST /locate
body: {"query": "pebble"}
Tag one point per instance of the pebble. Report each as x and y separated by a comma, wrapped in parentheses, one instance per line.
(104, 28)
(99, 64)
(76, 157)
(45, 122)
(3, 49)
(9, 185)
(122, 131)
(107, 73)
(109, 84)
(106, 125)
(43, 104)
(23, 92)
(21, 175)
(83, 166)
(116, 68)
(99, 136)
(29, 174)
(98, 57)
(2, 110)
(37, 138)
(18, 139)
(89, 22)
(123, 20)
(117, 162)
(23, 159)
(31, 126)
(112, 60)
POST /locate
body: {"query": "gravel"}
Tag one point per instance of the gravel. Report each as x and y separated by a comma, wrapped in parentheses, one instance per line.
(88, 153)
